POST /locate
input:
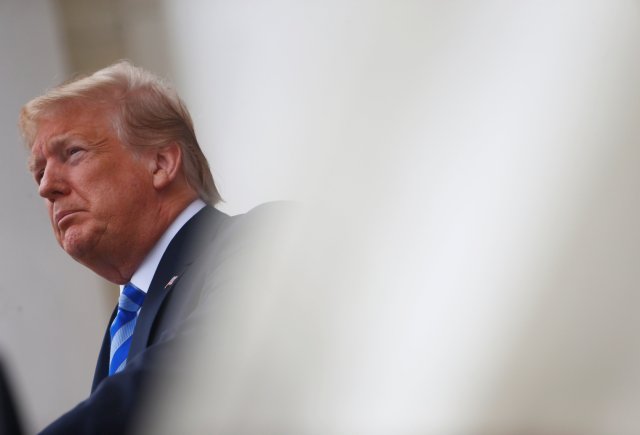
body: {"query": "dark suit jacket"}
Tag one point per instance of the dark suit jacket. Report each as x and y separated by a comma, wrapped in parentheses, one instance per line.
(172, 313)
(10, 423)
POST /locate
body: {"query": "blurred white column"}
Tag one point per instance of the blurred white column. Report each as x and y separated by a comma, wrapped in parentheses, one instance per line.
(472, 264)
(52, 311)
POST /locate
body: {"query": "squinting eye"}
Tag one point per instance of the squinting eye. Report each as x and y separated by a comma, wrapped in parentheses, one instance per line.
(73, 150)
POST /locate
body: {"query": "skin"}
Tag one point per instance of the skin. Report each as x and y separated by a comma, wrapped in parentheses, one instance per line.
(107, 205)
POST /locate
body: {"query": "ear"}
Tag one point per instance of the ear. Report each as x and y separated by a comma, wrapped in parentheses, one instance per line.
(166, 165)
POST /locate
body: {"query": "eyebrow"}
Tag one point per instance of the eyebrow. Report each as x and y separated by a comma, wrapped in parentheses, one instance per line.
(33, 163)
(58, 142)
(53, 144)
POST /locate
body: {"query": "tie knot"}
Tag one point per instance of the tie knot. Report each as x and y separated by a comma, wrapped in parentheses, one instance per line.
(131, 298)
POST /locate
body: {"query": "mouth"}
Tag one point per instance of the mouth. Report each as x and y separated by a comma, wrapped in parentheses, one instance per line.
(63, 216)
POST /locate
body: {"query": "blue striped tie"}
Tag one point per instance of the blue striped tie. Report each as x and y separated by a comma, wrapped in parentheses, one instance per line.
(122, 327)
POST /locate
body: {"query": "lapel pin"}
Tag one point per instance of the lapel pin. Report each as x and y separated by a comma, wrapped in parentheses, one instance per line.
(171, 281)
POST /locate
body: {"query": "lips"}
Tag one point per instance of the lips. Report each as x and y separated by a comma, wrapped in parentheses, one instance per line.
(60, 215)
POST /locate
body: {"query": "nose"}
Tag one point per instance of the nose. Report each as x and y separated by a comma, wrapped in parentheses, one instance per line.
(52, 184)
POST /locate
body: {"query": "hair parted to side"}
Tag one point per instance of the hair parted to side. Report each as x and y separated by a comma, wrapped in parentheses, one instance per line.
(145, 111)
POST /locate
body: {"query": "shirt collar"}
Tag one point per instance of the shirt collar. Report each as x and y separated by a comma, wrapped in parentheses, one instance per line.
(143, 276)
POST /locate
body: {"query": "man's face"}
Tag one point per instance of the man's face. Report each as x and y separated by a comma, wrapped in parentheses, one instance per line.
(95, 189)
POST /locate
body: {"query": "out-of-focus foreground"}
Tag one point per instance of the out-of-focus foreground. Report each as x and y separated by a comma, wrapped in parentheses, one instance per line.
(469, 260)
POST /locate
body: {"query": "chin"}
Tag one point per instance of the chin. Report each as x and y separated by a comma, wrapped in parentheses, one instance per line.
(77, 244)
(75, 251)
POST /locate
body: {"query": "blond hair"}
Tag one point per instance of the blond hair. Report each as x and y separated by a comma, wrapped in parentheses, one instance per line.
(145, 112)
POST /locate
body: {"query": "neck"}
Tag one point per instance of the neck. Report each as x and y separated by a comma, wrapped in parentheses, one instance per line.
(120, 265)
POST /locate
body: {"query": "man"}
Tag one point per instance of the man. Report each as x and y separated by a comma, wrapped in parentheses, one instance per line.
(129, 194)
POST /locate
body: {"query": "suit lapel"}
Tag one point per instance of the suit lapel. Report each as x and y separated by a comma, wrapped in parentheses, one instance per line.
(181, 252)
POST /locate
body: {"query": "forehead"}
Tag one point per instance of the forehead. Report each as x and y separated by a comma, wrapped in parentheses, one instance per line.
(71, 118)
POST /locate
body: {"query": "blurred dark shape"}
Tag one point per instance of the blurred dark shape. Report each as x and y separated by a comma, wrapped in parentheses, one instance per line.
(10, 423)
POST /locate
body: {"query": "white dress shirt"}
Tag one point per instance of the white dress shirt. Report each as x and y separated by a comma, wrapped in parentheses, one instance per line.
(143, 276)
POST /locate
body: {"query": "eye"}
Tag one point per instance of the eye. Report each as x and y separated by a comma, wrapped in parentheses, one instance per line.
(73, 153)
(38, 176)
(73, 150)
